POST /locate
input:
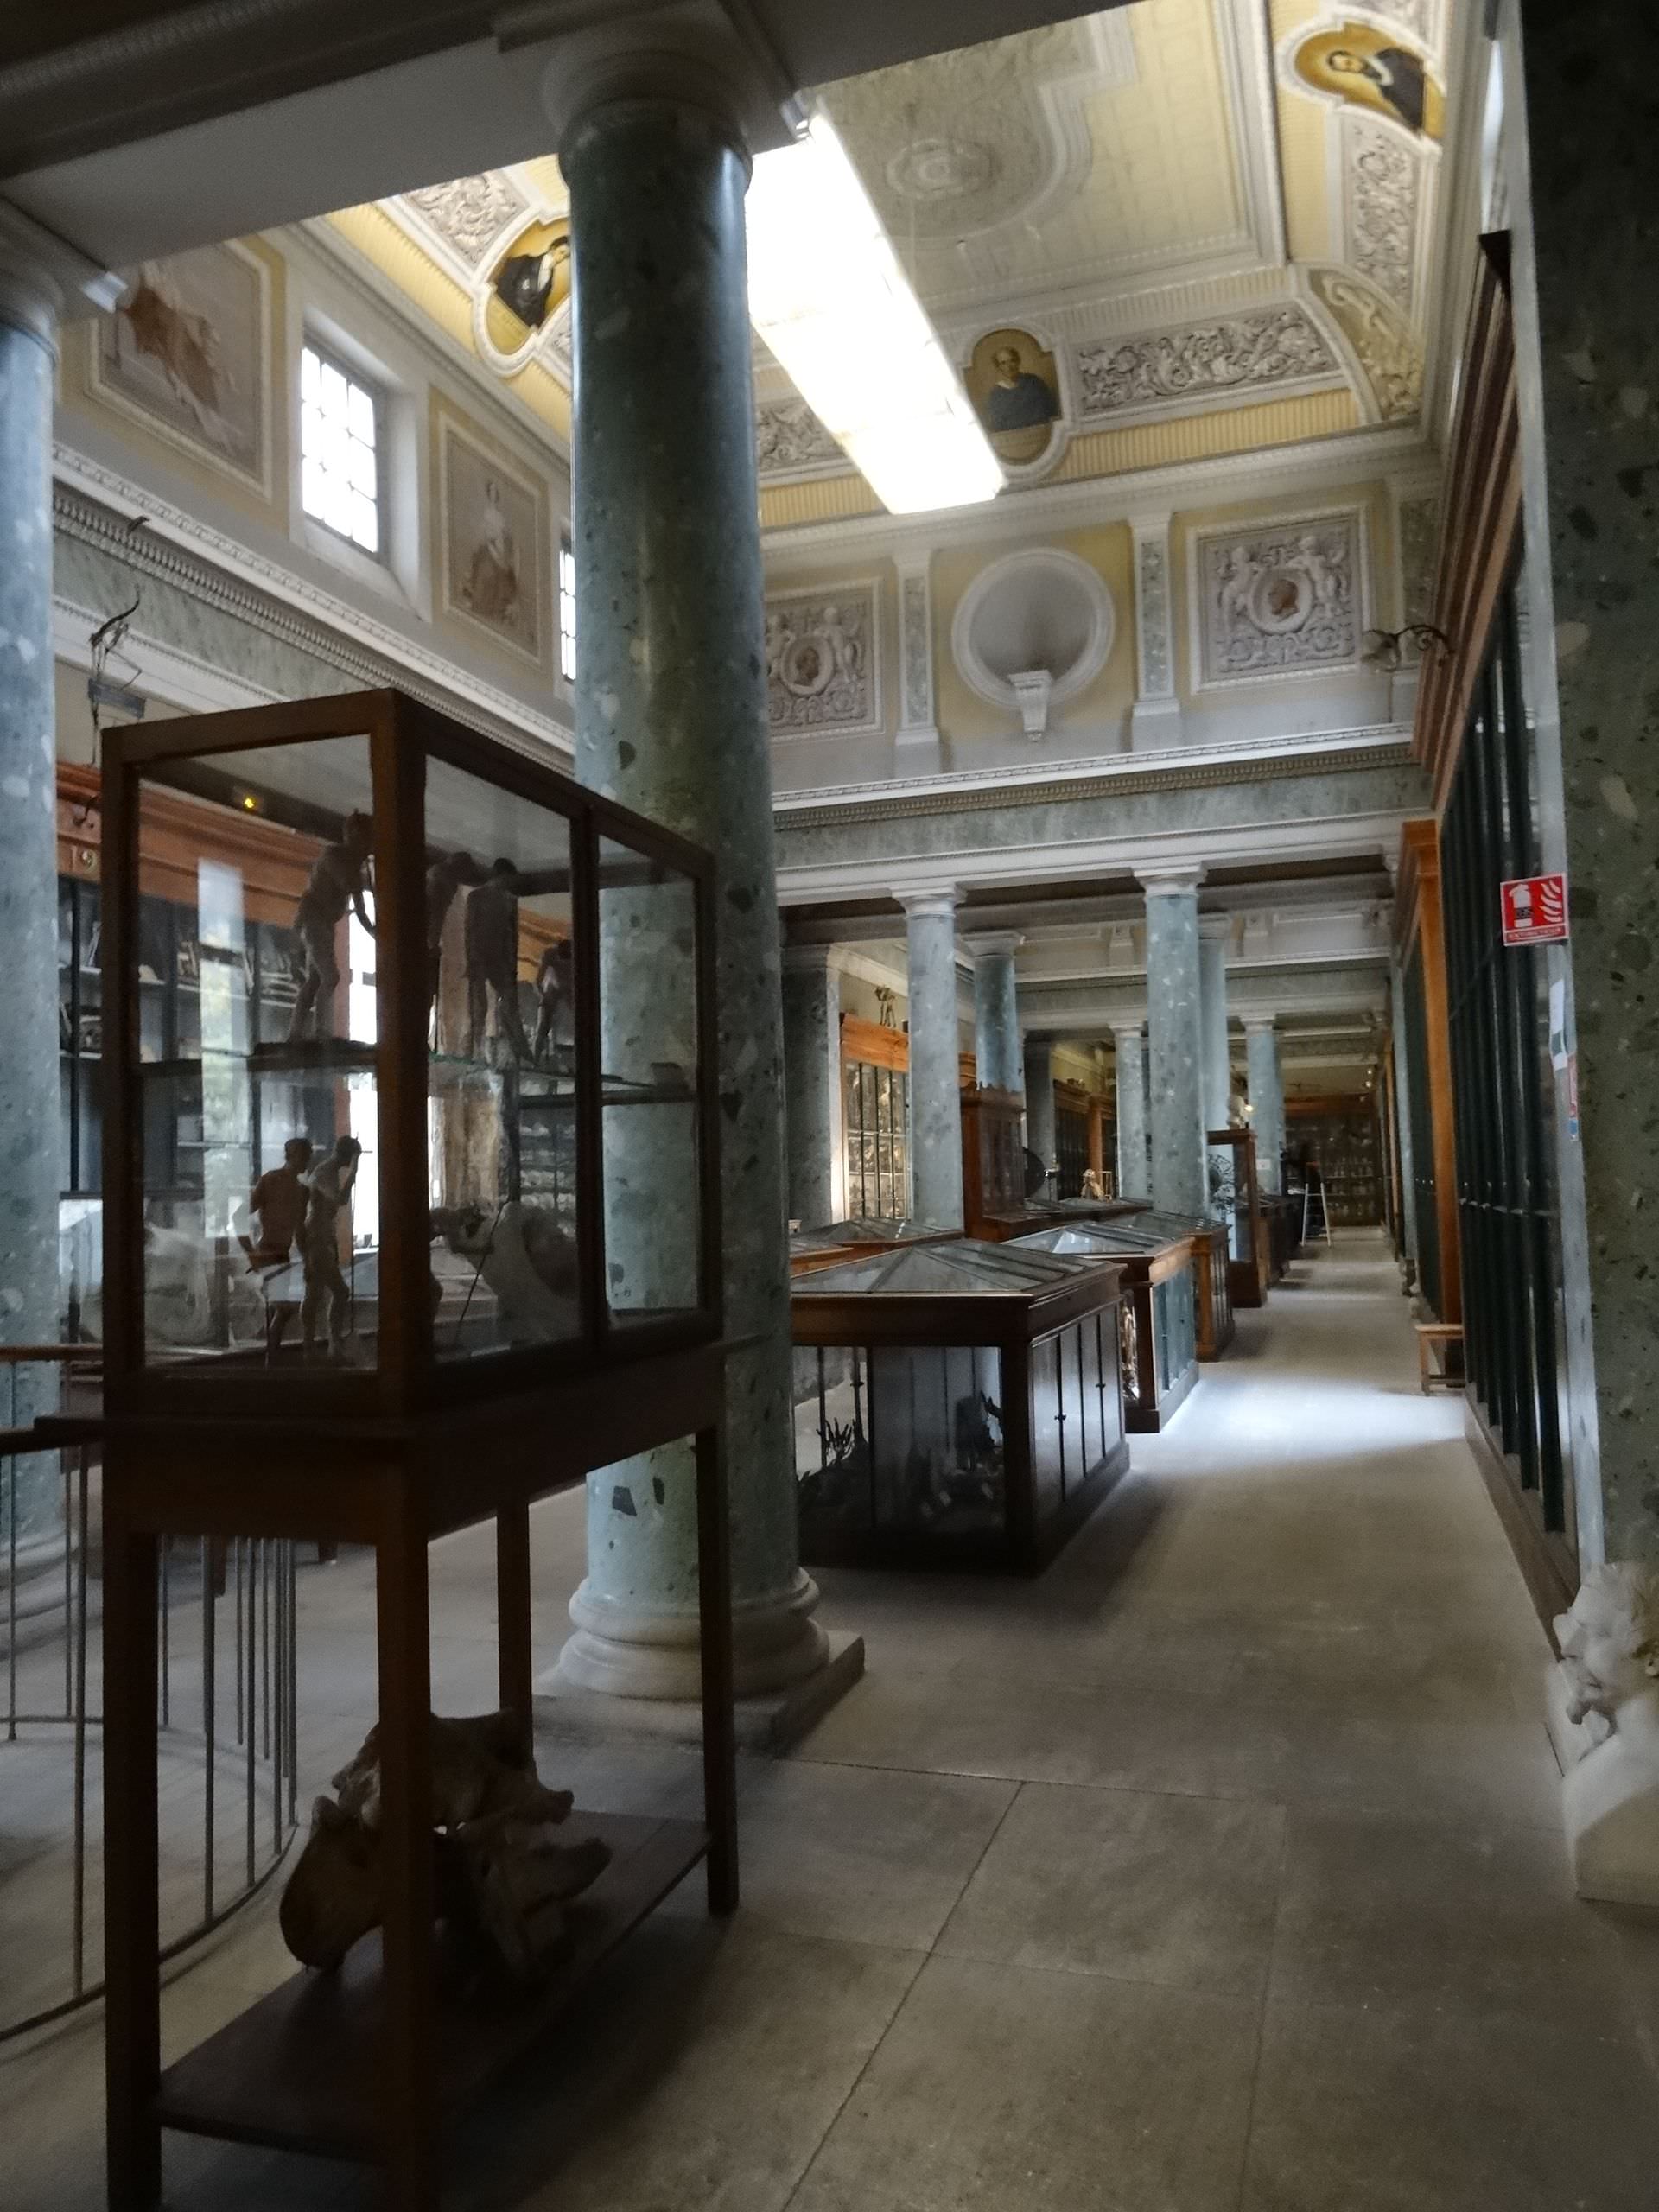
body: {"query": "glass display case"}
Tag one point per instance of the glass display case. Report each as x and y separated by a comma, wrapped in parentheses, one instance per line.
(376, 1127)
(859, 1239)
(955, 1404)
(1237, 1205)
(1211, 1294)
(996, 1205)
(1157, 1320)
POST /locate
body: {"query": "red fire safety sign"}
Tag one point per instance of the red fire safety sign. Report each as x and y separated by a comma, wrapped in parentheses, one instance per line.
(1535, 909)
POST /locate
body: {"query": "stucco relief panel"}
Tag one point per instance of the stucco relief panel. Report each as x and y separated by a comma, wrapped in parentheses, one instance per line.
(822, 662)
(1242, 353)
(1286, 599)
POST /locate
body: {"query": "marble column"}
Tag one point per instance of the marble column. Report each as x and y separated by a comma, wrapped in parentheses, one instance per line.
(30, 1143)
(996, 1010)
(1214, 932)
(1040, 1098)
(670, 719)
(1134, 1169)
(935, 1057)
(813, 1092)
(1178, 1154)
(1578, 138)
(1267, 1098)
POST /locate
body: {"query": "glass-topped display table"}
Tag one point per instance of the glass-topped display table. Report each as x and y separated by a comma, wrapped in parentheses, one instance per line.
(834, 1242)
(995, 1206)
(1157, 1328)
(955, 1405)
(1211, 1290)
(426, 1235)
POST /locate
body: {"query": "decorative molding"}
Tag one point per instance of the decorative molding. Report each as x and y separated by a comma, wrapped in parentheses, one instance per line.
(1417, 519)
(92, 504)
(1202, 362)
(1152, 613)
(1374, 450)
(1289, 598)
(1381, 341)
(916, 706)
(165, 673)
(824, 662)
(465, 217)
(1382, 181)
(790, 443)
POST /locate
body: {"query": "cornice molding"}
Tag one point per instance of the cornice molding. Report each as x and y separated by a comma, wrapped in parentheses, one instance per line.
(1212, 481)
(812, 810)
(92, 504)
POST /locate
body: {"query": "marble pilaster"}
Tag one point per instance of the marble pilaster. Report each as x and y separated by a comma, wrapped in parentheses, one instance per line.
(935, 1057)
(1156, 719)
(996, 1010)
(1267, 1098)
(671, 719)
(813, 1092)
(1040, 1098)
(1178, 1154)
(1134, 1168)
(1215, 932)
(916, 743)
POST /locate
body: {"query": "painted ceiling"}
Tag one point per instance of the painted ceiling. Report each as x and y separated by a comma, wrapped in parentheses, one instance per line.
(1210, 225)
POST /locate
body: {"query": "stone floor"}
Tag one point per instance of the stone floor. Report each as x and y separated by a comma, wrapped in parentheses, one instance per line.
(1218, 1870)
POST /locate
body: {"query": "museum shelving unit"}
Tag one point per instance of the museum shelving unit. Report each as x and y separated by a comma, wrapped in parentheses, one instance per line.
(1158, 1333)
(957, 1405)
(1249, 1262)
(995, 1204)
(483, 1346)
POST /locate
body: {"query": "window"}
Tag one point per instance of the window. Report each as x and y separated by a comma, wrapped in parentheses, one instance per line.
(567, 609)
(340, 451)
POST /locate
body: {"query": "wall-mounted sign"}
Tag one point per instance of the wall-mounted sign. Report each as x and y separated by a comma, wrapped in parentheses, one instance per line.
(1535, 909)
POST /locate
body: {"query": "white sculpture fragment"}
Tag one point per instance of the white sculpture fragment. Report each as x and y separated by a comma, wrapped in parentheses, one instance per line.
(1609, 1680)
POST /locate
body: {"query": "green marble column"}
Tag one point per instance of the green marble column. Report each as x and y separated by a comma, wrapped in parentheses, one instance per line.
(1178, 1154)
(1267, 1099)
(997, 1065)
(1134, 1167)
(670, 719)
(935, 1055)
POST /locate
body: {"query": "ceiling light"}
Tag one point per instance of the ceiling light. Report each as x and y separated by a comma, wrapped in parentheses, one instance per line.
(846, 325)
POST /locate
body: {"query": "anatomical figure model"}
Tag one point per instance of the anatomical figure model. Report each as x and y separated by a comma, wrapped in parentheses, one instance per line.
(445, 876)
(501, 1875)
(554, 997)
(330, 1194)
(527, 1261)
(338, 881)
(492, 949)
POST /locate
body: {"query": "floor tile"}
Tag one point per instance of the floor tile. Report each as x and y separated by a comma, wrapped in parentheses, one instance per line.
(1176, 1890)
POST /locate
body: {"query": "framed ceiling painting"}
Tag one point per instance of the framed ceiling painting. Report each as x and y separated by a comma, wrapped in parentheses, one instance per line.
(492, 532)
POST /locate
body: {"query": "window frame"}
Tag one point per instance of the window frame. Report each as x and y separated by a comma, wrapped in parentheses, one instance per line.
(329, 356)
(563, 598)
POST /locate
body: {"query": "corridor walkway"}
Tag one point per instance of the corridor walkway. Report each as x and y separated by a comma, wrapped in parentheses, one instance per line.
(1218, 1870)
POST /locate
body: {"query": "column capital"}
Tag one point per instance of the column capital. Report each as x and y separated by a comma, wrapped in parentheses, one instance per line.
(43, 278)
(1121, 1030)
(1215, 929)
(686, 57)
(936, 901)
(987, 945)
(1259, 1025)
(1171, 879)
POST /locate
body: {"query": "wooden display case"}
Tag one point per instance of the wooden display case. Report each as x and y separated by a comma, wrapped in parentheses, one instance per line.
(1158, 1337)
(837, 1241)
(1249, 1257)
(1212, 1294)
(957, 1405)
(430, 1385)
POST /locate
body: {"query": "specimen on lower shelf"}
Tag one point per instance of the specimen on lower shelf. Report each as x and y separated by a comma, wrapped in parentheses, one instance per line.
(502, 1876)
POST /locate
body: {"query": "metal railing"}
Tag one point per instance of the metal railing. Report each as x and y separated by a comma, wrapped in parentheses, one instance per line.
(226, 1618)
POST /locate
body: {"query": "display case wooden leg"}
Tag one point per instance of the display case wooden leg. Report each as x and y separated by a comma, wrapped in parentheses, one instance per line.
(513, 1610)
(719, 1734)
(133, 2027)
(408, 2073)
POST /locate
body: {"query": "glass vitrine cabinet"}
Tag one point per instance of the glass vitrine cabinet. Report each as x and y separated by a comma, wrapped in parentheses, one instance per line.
(381, 1122)
(1238, 1206)
(1211, 1290)
(832, 1243)
(1158, 1318)
(955, 1404)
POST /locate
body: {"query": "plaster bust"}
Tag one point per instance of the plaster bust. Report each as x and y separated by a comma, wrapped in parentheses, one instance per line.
(1609, 1640)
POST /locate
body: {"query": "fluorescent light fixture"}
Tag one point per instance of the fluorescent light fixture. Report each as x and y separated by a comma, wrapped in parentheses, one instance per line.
(831, 297)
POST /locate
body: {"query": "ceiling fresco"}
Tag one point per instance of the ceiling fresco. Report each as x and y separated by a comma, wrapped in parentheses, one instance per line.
(1215, 207)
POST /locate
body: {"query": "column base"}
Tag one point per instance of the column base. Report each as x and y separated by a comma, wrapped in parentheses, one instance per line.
(621, 1650)
(769, 1724)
